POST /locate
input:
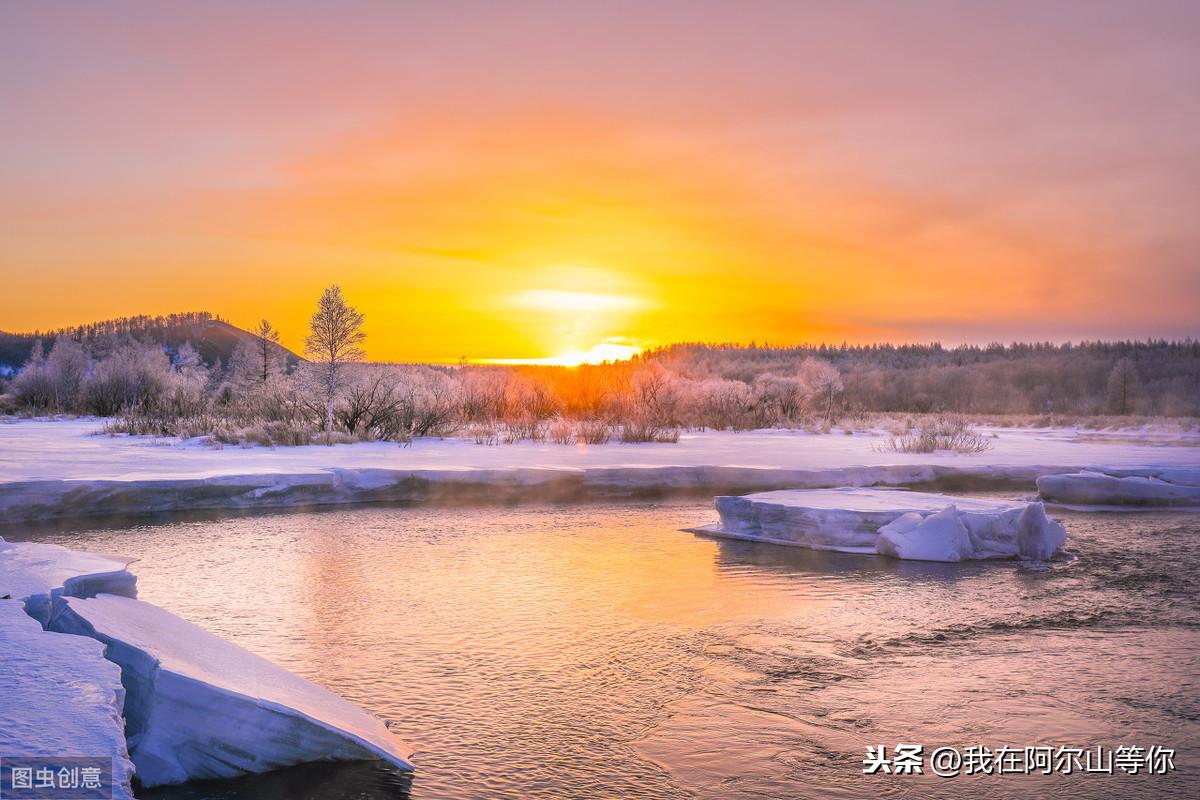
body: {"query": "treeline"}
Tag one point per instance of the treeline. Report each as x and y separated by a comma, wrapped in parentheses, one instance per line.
(262, 393)
(134, 326)
(1155, 377)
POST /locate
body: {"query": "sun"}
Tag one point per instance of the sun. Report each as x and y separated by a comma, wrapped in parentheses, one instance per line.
(597, 354)
(578, 315)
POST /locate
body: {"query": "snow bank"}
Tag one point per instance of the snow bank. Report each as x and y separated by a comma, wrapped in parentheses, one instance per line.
(1155, 488)
(48, 499)
(40, 573)
(909, 525)
(58, 468)
(201, 707)
(59, 696)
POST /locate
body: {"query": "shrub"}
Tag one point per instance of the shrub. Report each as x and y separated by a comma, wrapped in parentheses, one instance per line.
(635, 433)
(593, 431)
(942, 433)
(561, 431)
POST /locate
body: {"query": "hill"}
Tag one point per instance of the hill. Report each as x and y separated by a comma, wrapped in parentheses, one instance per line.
(213, 337)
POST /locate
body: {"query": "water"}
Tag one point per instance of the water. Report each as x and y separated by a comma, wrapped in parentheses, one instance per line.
(598, 652)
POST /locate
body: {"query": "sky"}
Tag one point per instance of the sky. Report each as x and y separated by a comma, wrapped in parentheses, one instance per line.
(574, 180)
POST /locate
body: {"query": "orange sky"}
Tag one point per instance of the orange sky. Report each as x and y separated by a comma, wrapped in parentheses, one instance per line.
(529, 180)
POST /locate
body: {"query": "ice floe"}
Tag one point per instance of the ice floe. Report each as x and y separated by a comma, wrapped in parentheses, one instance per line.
(902, 524)
(59, 697)
(1176, 488)
(198, 706)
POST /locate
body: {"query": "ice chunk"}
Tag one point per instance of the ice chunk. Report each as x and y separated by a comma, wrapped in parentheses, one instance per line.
(1167, 488)
(59, 697)
(201, 707)
(937, 537)
(1024, 532)
(847, 518)
(1038, 536)
(855, 520)
(38, 573)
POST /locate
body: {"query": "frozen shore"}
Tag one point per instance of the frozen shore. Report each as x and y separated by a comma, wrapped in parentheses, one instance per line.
(92, 671)
(54, 468)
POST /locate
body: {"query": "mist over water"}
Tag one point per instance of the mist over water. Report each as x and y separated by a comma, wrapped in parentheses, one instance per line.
(596, 651)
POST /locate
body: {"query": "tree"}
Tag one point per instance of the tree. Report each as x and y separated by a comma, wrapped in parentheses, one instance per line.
(1122, 386)
(334, 336)
(188, 382)
(267, 348)
(824, 381)
(67, 366)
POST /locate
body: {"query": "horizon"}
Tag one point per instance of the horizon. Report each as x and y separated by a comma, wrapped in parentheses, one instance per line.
(576, 360)
(573, 183)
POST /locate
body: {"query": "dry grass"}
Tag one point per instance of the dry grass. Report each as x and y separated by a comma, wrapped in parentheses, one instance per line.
(636, 433)
(593, 431)
(220, 431)
(944, 433)
(897, 423)
(561, 431)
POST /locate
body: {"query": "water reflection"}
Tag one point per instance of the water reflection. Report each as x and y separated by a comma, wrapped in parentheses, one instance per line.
(596, 651)
(734, 554)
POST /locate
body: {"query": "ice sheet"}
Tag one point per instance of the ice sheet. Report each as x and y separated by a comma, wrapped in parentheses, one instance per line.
(201, 707)
(59, 696)
(37, 573)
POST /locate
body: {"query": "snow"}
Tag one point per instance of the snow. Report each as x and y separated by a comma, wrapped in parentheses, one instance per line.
(902, 524)
(1169, 487)
(60, 697)
(58, 467)
(39, 573)
(201, 707)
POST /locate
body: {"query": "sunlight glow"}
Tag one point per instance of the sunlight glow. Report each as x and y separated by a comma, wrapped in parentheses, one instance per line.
(559, 300)
(598, 354)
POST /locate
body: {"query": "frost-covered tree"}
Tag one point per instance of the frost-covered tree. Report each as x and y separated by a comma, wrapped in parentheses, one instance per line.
(824, 382)
(268, 351)
(67, 368)
(655, 395)
(32, 384)
(720, 404)
(1122, 386)
(334, 338)
(132, 377)
(780, 396)
(186, 388)
(259, 360)
(243, 365)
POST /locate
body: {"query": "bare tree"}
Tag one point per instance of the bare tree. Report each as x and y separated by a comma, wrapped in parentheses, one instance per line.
(334, 336)
(267, 348)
